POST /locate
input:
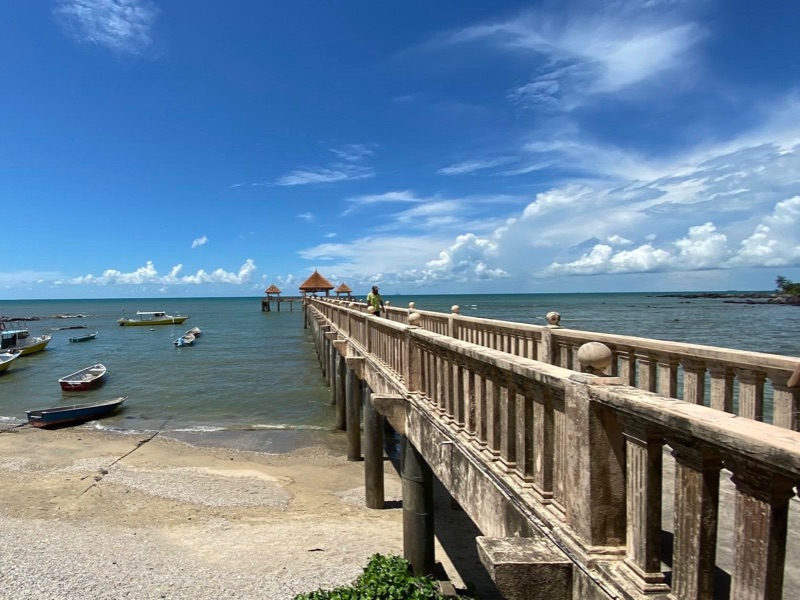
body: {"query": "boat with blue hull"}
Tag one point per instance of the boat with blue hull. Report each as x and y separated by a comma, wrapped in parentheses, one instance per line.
(73, 414)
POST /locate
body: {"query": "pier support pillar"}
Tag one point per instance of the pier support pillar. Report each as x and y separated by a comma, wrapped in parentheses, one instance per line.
(339, 392)
(418, 539)
(373, 453)
(353, 401)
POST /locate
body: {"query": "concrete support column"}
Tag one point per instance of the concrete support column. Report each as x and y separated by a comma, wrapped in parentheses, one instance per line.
(643, 536)
(418, 533)
(331, 365)
(373, 453)
(696, 517)
(354, 399)
(341, 402)
(760, 524)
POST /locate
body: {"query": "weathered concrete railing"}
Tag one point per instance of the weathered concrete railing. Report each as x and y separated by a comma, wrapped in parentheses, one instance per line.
(570, 465)
(748, 384)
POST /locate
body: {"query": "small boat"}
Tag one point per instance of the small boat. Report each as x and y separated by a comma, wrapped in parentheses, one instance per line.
(158, 317)
(187, 339)
(77, 413)
(83, 338)
(71, 327)
(16, 336)
(195, 331)
(85, 379)
(6, 358)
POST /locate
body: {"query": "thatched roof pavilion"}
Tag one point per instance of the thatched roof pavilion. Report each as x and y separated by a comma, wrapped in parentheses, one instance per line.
(316, 283)
(273, 290)
(344, 290)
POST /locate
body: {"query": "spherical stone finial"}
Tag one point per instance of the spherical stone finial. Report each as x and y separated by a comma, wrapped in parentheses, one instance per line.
(553, 319)
(387, 303)
(370, 309)
(594, 357)
(455, 308)
(414, 318)
(351, 305)
(411, 305)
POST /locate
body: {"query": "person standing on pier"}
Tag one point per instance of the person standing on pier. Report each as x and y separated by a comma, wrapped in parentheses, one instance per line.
(375, 301)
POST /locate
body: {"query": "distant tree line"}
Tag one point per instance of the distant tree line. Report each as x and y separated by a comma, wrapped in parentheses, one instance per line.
(787, 287)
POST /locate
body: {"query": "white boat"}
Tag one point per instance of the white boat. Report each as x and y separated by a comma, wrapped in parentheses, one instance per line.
(156, 317)
(85, 379)
(6, 358)
(187, 339)
(15, 335)
(195, 331)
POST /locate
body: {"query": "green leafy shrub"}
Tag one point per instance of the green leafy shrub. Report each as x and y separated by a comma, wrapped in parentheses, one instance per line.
(384, 578)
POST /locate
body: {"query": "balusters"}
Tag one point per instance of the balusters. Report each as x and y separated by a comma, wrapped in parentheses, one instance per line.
(751, 393)
(785, 401)
(645, 371)
(721, 387)
(694, 381)
(543, 441)
(667, 368)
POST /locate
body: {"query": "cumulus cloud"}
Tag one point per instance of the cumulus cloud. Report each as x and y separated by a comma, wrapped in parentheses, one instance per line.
(149, 275)
(123, 26)
(199, 242)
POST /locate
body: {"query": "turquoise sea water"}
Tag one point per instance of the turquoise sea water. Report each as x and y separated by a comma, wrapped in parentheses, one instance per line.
(259, 370)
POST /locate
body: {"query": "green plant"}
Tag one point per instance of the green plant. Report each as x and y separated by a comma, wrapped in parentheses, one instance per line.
(384, 578)
(786, 286)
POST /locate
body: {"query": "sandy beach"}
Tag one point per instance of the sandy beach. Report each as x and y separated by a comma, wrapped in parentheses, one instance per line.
(86, 513)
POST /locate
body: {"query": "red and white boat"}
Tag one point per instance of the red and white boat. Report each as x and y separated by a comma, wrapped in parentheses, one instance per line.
(85, 379)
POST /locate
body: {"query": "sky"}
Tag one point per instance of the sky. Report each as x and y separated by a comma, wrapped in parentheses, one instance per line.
(192, 149)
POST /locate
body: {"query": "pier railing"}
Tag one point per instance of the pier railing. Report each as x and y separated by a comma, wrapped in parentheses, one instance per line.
(747, 384)
(583, 456)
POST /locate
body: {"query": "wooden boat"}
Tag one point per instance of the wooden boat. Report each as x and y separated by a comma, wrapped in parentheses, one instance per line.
(195, 331)
(158, 317)
(76, 413)
(187, 339)
(83, 338)
(85, 379)
(16, 336)
(6, 358)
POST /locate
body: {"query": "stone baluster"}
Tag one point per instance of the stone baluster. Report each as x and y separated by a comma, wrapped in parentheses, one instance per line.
(481, 405)
(459, 396)
(697, 472)
(508, 425)
(751, 393)
(667, 368)
(785, 401)
(469, 404)
(564, 354)
(643, 448)
(761, 508)
(413, 364)
(525, 435)
(645, 371)
(626, 369)
(694, 381)
(560, 451)
(543, 441)
(721, 387)
(440, 365)
(493, 423)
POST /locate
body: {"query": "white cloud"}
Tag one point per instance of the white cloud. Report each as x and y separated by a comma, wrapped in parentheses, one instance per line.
(471, 166)
(123, 26)
(580, 54)
(199, 242)
(348, 168)
(149, 275)
(307, 216)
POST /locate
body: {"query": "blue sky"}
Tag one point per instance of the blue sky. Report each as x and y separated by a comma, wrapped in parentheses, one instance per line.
(209, 149)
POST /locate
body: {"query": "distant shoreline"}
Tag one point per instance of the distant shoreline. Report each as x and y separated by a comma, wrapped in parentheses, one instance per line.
(738, 297)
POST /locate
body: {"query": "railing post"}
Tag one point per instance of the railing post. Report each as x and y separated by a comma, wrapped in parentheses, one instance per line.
(694, 381)
(645, 371)
(760, 526)
(785, 402)
(667, 367)
(696, 515)
(721, 387)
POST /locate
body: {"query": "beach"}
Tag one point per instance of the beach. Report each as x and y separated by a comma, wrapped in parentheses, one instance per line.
(91, 514)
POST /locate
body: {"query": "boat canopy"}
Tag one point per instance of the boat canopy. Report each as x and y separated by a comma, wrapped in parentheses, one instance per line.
(157, 313)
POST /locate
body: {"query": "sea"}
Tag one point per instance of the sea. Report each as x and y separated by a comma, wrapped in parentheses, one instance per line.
(258, 371)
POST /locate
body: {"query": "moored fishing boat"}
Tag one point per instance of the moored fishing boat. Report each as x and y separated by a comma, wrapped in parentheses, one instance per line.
(195, 331)
(15, 335)
(187, 339)
(76, 413)
(85, 379)
(6, 358)
(157, 317)
(83, 338)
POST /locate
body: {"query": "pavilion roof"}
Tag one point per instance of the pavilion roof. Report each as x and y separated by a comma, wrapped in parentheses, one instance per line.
(273, 289)
(343, 289)
(316, 283)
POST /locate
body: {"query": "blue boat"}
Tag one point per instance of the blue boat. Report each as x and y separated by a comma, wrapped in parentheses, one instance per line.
(76, 413)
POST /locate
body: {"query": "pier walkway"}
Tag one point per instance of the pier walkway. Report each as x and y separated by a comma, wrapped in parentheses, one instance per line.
(594, 465)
